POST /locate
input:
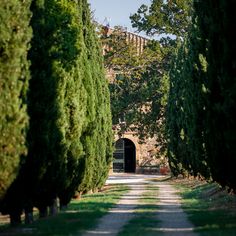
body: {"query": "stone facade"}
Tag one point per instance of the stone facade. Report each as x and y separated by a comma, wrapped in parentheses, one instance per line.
(133, 38)
(145, 152)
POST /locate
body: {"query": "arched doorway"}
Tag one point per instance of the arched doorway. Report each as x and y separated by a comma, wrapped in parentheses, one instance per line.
(124, 156)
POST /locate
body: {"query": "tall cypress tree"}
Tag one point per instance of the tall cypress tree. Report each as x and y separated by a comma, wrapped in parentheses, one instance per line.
(217, 34)
(97, 137)
(57, 107)
(186, 113)
(175, 115)
(58, 98)
(70, 135)
(63, 133)
(208, 94)
(15, 35)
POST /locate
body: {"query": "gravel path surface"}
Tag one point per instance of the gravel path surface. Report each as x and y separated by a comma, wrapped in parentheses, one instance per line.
(120, 215)
(173, 220)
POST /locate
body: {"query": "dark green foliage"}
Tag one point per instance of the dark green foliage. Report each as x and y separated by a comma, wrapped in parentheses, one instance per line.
(217, 31)
(15, 35)
(76, 125)
(57, 100)
(175, 115)
(70, 135)
(186, 114)
(201, 104)
(201, 115)
(57, 108)
(97, 136)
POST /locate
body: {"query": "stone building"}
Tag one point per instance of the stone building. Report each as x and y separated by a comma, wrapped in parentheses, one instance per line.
(131, 155)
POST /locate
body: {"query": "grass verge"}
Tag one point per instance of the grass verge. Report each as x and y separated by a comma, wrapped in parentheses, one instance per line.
(145, 220)
(81, 215)
(210, 209)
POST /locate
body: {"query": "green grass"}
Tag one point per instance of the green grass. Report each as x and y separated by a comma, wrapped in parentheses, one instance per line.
(145, 221)
(81, 215)
(213, 214)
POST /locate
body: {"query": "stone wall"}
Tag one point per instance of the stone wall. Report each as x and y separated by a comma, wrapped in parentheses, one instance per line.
(146, 152)
(146, 160)
(135, 39)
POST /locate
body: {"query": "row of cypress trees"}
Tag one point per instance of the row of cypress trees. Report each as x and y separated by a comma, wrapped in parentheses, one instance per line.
(201, 112)
(15, 35)
(69, 135)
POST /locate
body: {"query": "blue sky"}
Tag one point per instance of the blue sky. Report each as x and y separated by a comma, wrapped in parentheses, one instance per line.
(117, 11)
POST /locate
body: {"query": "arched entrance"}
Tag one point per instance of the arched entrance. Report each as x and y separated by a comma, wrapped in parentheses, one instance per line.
(124, 156)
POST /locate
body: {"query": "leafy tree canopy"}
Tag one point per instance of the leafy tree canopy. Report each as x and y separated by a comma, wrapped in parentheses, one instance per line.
(163, 17)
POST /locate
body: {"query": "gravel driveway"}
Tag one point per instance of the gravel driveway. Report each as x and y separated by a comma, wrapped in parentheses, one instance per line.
(173, 220)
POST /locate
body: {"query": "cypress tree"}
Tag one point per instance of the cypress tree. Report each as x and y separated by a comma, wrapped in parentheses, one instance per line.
(72, 70)
(57, 108)
(70, 136)
(175, 115)
(208, 118)
(15, 35)
(97, 137)
(217, 33)
(186, 114)
(195, 103)
(57, 99)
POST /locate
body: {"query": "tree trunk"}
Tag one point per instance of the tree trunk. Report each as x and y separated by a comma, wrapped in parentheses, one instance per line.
(29, 217)
(15, 218)
(43, 212)
(54, 207)
(63, 204)
(95, 190)
(63, 207)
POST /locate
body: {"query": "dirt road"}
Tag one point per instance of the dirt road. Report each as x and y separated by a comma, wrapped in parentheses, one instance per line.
(172, 219)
